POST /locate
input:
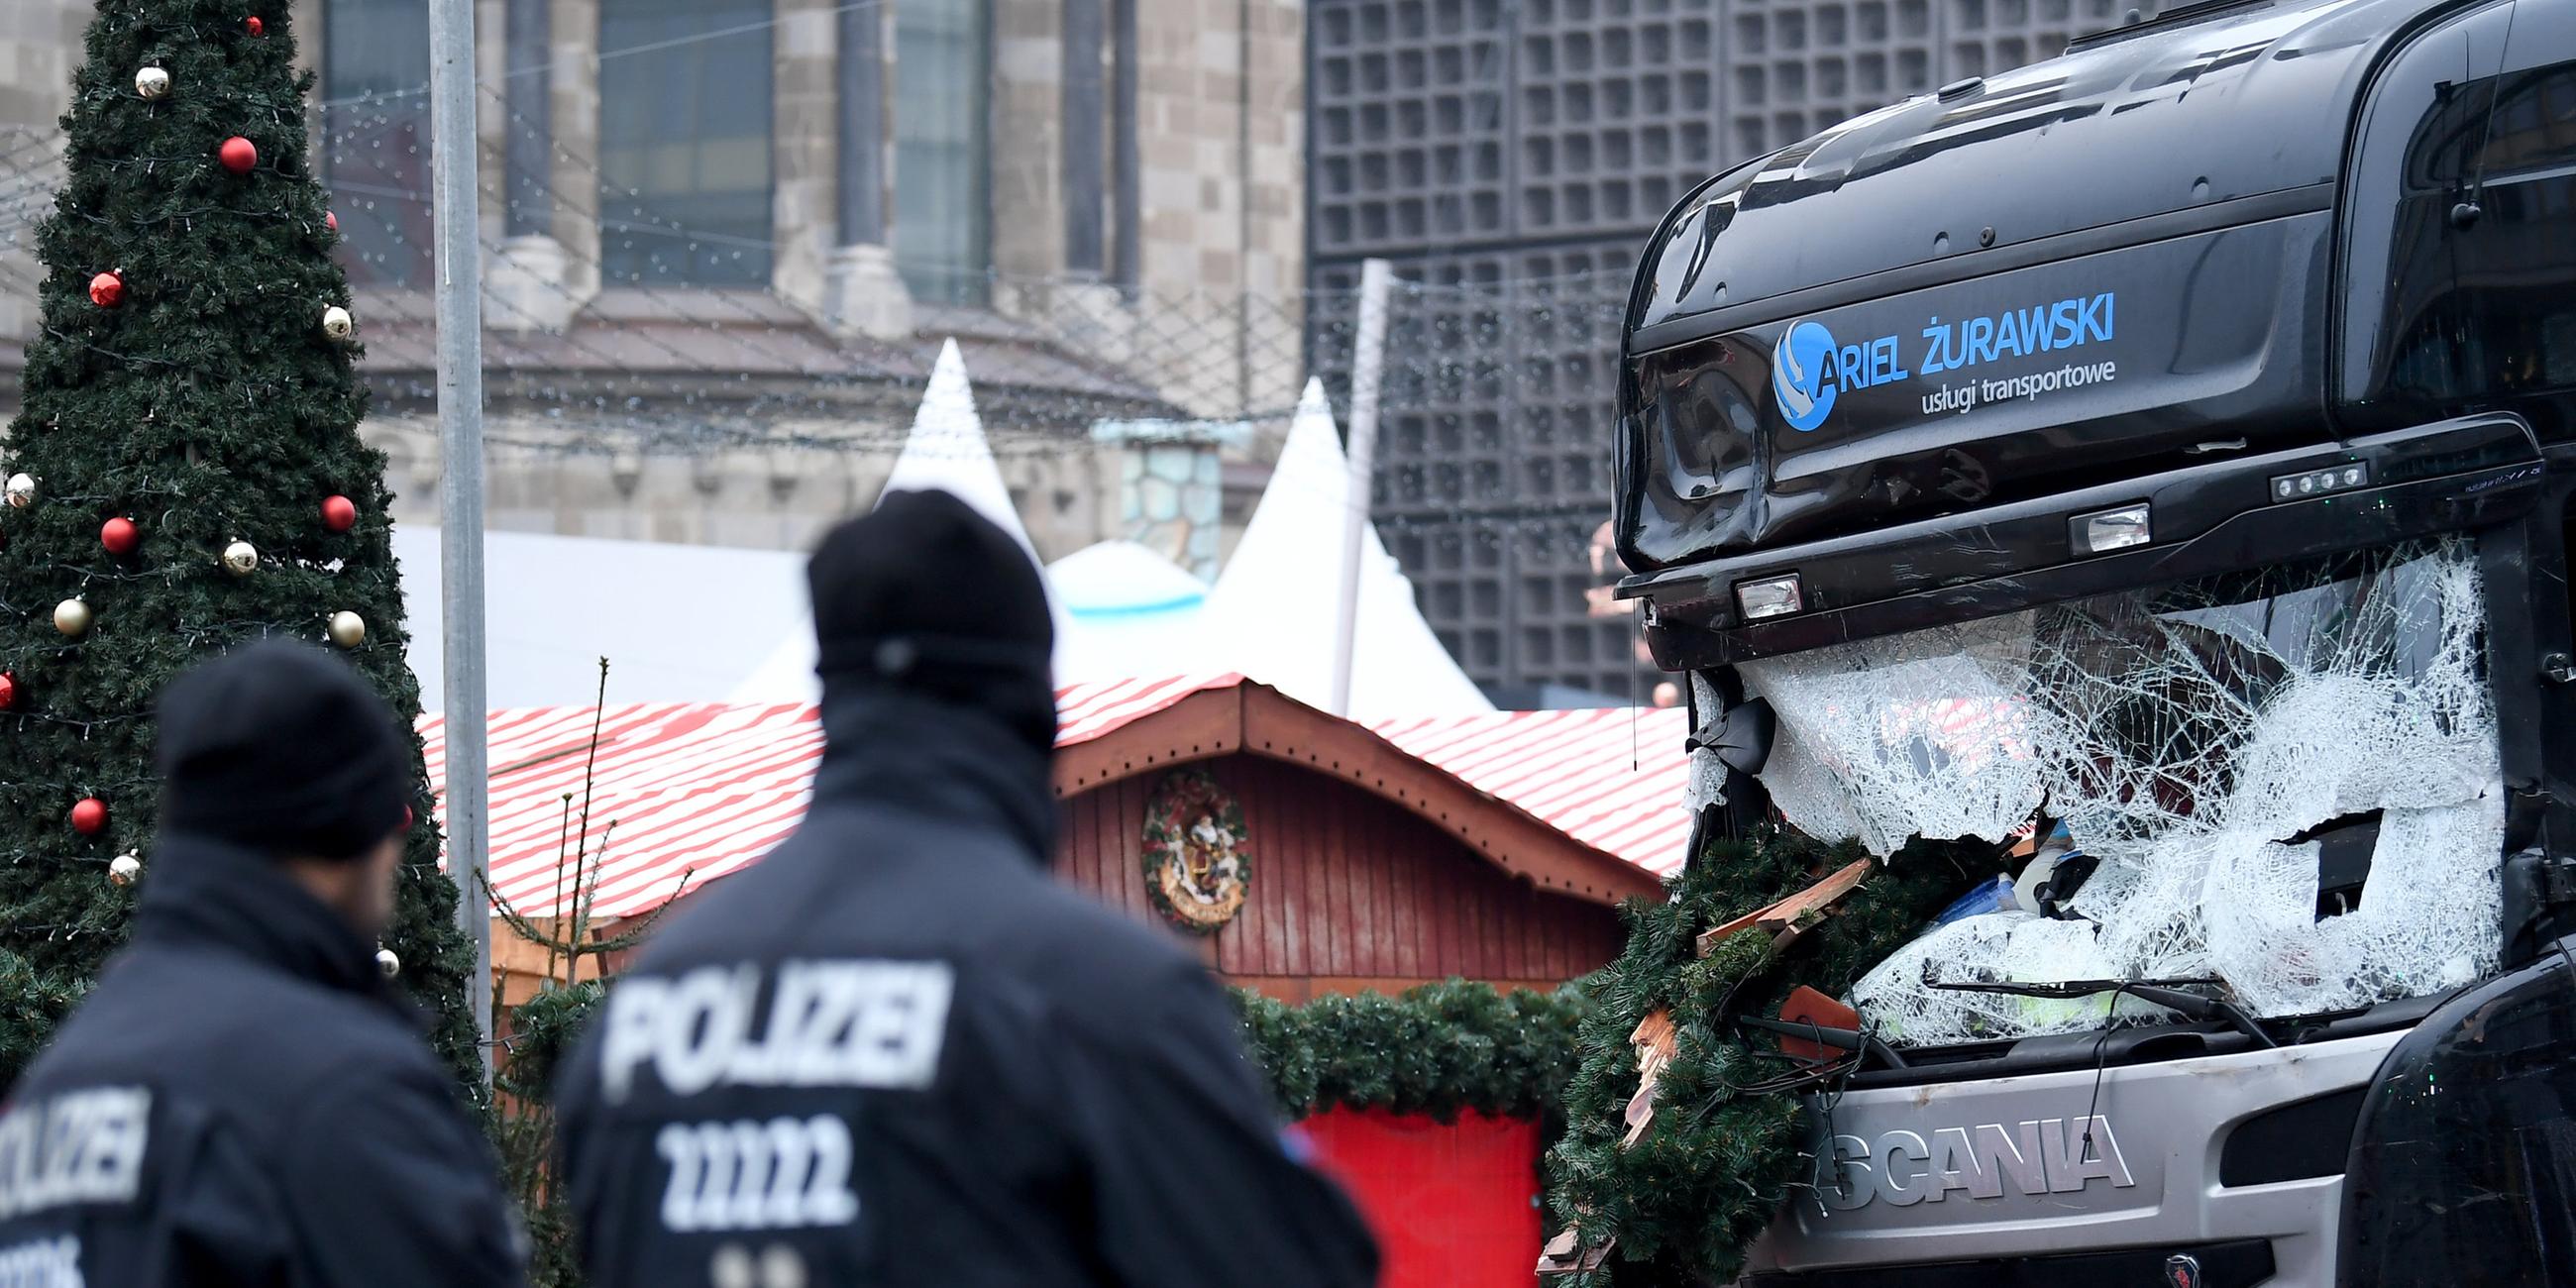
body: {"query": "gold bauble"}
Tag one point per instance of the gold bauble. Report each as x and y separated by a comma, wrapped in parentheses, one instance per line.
(73, 618)
(241, 558)
(348, 630)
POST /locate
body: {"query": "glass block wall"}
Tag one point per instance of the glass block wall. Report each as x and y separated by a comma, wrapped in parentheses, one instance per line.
(1510, 157)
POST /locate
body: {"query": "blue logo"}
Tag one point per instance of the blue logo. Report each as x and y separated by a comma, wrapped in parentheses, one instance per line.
(1799, 365)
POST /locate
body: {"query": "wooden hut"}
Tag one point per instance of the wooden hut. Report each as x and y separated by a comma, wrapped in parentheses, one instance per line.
(1370, 867)
(1492, 847)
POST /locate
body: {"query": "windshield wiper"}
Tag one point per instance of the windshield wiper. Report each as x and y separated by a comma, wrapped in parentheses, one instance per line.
(2167, 993)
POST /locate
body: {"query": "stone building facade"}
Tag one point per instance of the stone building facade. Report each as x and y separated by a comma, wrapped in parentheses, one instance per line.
(725, 239)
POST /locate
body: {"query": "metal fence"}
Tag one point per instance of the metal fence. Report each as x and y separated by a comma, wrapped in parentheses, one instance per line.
(1491, 478)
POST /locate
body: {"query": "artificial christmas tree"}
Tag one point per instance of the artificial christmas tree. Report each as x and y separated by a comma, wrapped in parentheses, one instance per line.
(1667, 1189)
(183, 405)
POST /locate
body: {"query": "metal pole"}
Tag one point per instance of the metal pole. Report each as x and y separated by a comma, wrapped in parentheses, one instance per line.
(1368, 360)
(460, 497)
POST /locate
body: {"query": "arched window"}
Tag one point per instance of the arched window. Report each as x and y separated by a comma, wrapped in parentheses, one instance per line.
(375, 138)
(684, 142)
(942, 179)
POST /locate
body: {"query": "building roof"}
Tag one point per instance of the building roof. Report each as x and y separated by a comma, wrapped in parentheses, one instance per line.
(1585, 802)
(701, 350)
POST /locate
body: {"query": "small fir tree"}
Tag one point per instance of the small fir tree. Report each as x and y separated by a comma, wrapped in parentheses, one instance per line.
(187, 476)
(1677, 1207)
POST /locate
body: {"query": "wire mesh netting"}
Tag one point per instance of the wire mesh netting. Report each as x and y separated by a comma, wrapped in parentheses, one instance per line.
(653, 346)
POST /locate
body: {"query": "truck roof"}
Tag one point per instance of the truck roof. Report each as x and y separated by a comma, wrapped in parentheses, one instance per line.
(2236, 101)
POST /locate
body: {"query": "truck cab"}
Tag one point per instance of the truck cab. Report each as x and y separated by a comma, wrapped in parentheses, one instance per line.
(2164, 453)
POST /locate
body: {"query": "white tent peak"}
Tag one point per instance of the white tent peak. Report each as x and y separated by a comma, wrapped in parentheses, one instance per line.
(947, 450)
(1274, 613)
(1312, 402)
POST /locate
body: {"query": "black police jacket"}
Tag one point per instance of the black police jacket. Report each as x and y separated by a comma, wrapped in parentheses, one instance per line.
(895, 1052)
(242, 1100)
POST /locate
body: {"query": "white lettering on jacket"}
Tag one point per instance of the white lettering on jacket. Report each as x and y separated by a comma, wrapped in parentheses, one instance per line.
(783, 1174)
(877, 1024)
(42, 1263)
(79, 1147)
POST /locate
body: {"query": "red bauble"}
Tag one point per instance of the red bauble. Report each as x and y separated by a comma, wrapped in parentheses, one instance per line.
(8, 691)
(120, 536)
(408, 818)
(89, 817)
(107, 289)
(339, 513)
(238, 155)
(330, 221)
(253, 25)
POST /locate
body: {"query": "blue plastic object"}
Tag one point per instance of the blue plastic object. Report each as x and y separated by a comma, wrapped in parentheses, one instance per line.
(1991, 896)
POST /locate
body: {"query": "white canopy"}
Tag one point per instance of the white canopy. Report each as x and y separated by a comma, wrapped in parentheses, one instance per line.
(1274, 614)
(1133, 613)
(676, 623)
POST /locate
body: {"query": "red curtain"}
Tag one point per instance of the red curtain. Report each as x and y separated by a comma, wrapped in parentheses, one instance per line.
(1453, 1205)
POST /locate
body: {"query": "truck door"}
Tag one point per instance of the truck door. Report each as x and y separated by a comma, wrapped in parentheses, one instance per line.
(2517, 253)
(2461, 226)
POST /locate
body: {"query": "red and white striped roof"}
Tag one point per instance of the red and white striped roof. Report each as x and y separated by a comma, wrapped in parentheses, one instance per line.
(681, 793)
(1610, 777)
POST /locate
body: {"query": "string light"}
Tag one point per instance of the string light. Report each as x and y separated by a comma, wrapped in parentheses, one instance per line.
(1492, 431)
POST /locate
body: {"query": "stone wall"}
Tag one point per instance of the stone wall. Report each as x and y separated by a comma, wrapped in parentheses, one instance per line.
(542, 477)
(1028, 138)
(1212, 325)
(1171, 487)
(1170, 498)
(803, 206)
(40, 43)
(1220, 122)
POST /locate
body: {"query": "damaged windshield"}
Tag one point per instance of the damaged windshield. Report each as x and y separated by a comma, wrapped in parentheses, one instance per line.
(2285, 779)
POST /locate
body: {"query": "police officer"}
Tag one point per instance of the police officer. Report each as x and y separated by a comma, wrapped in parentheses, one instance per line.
(895, 1052)
(241, 1099)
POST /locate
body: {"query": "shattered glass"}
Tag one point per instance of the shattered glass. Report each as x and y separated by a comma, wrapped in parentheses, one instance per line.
(1707, 783)
(2191, 738)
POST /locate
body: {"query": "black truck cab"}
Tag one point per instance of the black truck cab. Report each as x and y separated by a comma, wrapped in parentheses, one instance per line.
(2172, 442)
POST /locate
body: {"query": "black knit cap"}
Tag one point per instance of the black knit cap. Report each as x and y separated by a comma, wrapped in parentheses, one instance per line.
(282, 749)
(927, 595)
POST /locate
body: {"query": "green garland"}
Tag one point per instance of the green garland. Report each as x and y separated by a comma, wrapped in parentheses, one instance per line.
(1439, 1049)
(1716, 1164)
